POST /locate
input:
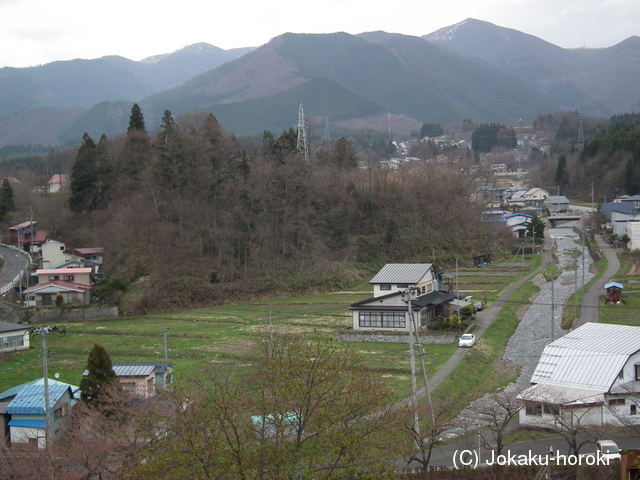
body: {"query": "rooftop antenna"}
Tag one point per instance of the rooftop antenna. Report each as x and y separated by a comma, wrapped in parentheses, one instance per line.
(303, 144)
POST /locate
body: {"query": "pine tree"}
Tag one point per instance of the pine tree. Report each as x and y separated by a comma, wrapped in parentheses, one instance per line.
(100, 377)
(84, 177)
(6, 199)
(136, 120)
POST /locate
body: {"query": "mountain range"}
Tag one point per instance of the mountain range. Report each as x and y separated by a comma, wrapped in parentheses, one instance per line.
(473, 70)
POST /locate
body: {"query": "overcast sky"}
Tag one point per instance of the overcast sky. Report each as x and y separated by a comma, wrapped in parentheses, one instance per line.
(35, 32)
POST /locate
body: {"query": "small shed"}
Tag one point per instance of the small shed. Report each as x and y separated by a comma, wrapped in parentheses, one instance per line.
(614, 292)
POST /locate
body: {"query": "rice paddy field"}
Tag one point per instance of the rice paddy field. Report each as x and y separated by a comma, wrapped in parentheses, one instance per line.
(230, 334)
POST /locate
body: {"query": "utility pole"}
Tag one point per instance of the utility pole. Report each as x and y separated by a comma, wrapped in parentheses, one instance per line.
(414, 341)
(412, 362)
(43, 332)
(553, 307)
(166, 350)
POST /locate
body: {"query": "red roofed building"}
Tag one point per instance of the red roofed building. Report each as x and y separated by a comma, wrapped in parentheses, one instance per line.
(57, 182)
(72, 284)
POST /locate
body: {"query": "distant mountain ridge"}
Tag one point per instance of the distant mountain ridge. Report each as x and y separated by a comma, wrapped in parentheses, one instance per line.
(473, 70)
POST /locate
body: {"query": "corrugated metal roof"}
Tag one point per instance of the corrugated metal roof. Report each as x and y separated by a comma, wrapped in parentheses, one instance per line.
(11, 327)
(133, 370)
(30, 400)
(561, 395)
(28, 423)
(590, 357)
(409, 273)
(160, 367)
(129, 370)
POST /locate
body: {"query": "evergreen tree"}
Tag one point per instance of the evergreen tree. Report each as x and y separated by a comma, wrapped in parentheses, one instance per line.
(536, 227)
(136, 154)
(562, 175)
(100, 377)
(169, 168)
(105, 172)
(6, 199)
(344, 155)
(136, 120)
(84, 177)
(431, 130)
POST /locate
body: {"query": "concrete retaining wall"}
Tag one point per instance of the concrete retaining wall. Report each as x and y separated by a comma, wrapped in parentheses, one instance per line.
(58, 315)
(429, 338)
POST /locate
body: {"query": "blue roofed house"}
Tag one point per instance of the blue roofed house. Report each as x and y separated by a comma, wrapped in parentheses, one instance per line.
(23, 410)
(518, 222)
(388, 309)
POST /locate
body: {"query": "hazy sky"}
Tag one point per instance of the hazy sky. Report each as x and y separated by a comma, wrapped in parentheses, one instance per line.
(34, 32)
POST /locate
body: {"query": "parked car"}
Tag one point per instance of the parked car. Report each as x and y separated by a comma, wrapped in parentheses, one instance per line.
(467, 340)
(609, 449)
(478, 306)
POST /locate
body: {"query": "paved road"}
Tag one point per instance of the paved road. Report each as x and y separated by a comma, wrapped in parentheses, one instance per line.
(590, 309)
(13, 265)
(484, 320)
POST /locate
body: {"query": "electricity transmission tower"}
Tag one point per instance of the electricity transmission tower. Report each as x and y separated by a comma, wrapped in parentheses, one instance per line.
(303, 143)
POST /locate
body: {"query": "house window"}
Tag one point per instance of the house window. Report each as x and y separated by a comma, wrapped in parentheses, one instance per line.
(403, 285)
(382, 319)
(385, 286)
(62, 248)
(54, 277)
(68, 278)
(13, 341)
(632, 409)
(637, 368)
(430, 288)
(621, 374)
(550, 409)
(616, 401)
(533, 409)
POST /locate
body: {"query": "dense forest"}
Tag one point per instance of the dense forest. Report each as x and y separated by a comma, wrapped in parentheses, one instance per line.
(606, 166)
(188, 216)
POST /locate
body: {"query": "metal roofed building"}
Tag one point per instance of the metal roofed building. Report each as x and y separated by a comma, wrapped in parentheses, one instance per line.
(13, 337)
(163, 371)
(25, 411)
(592, 375)
(388, 310)
(136, 378)
(394, 277)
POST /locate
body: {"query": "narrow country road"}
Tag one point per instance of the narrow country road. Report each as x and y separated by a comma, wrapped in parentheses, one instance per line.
(590, 309)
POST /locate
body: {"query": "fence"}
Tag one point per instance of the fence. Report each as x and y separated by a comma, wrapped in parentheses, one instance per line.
(11, 285)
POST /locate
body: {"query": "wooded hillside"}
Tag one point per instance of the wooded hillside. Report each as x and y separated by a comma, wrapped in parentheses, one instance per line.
(190, 218)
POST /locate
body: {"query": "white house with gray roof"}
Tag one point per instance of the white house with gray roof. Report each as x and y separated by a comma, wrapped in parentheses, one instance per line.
(592, 375)
(13, 337)
(388, 309)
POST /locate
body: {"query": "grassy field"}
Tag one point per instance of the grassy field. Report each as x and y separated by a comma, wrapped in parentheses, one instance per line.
(629, 276)
(228, 335)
